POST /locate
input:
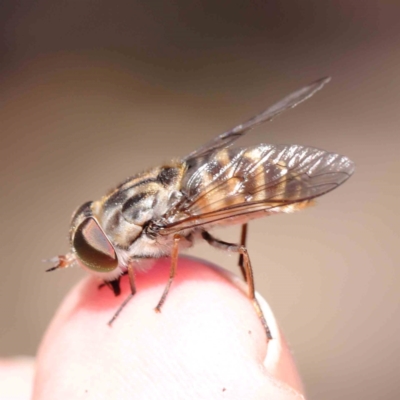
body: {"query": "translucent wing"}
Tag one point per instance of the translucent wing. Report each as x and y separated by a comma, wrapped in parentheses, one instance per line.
(236, 183)
(227, 138)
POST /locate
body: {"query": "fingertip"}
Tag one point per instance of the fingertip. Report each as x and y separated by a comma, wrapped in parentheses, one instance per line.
(207, 338)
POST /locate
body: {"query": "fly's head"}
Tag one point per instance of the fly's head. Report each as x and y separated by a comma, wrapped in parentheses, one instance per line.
(90, 246)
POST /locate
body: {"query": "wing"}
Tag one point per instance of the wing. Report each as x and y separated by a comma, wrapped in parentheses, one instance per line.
(291, 101)
(238, 183)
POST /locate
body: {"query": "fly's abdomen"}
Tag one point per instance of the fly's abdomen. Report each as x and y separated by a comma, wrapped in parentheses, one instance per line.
(234, 182)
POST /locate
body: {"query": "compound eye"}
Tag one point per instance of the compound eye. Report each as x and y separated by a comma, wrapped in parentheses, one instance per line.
(93, 247)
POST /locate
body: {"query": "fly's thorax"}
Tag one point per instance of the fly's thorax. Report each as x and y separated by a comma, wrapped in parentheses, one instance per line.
(126, 210)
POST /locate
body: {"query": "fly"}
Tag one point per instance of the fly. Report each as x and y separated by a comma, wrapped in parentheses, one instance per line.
(164, 210)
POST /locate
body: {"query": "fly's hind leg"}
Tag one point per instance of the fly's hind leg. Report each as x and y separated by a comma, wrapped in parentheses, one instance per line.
(114, 285)
(243, 237)
(248, 270)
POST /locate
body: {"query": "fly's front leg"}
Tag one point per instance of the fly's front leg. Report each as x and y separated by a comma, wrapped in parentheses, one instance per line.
(172, 271)
(114, 285)
(131, 275)
(248, 273)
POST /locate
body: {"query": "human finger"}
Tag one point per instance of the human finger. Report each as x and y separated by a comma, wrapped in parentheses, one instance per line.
(206, 343)
(16, 378)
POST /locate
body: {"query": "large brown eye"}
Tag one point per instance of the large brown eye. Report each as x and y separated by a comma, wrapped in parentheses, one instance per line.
(93, 248)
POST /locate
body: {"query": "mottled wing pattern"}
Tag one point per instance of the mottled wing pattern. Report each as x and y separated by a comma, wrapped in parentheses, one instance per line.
(231, 183)
(290, 101)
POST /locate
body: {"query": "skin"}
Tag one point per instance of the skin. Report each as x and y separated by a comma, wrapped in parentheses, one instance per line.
(207, 343)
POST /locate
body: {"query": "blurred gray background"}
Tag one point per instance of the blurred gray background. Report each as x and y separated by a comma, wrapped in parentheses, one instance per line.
(94, 91)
